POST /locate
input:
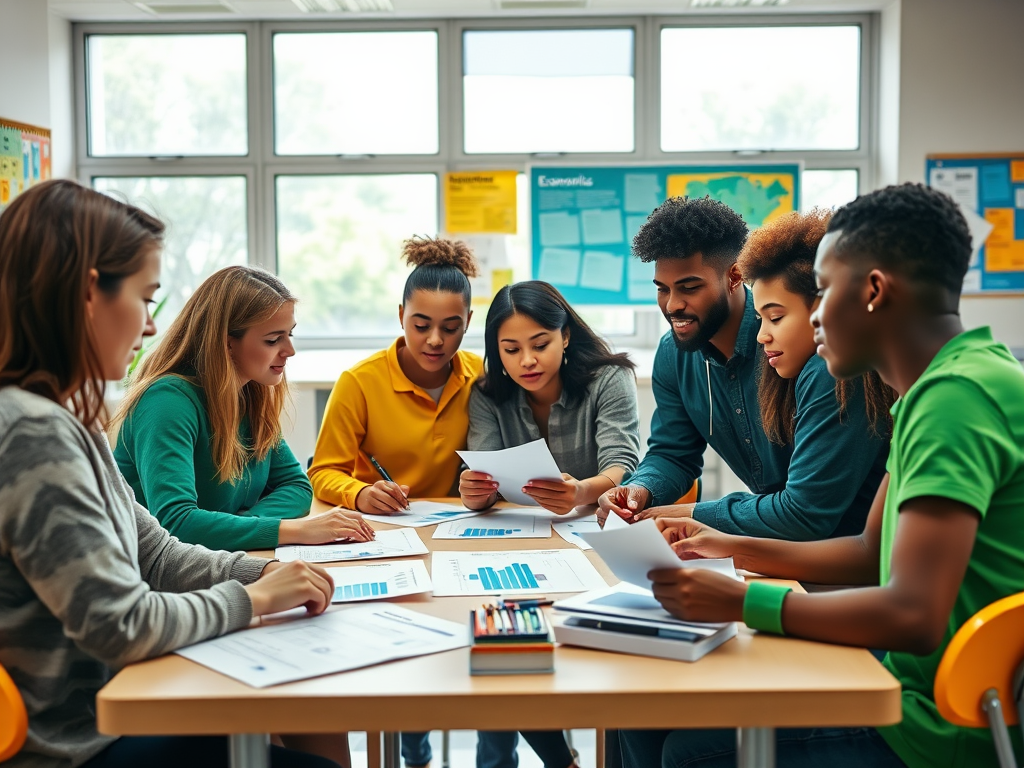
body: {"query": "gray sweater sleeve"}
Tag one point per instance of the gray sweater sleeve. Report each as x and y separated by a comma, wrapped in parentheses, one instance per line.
(484, 427)
(83, 550)
(618, 420)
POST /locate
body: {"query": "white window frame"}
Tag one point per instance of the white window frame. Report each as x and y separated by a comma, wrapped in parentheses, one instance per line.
(261, 166)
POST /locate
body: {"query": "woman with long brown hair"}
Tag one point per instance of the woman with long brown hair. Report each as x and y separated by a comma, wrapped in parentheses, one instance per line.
(778, 263)
(89, 581)
(199, 438)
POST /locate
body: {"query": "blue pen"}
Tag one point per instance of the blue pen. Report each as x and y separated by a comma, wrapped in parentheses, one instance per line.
(384, 473)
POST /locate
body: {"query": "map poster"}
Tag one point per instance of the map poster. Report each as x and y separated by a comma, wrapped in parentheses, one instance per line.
(584, 219)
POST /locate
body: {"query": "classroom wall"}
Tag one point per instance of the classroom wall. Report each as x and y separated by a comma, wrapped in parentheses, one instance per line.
(41, 92)
(960, 90)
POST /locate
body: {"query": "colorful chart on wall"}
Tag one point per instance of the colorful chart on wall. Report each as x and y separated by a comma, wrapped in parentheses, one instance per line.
(584, 218)
(990, 192)
(24, 158)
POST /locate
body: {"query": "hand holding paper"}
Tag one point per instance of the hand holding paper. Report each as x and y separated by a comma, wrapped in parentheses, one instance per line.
(513, 468)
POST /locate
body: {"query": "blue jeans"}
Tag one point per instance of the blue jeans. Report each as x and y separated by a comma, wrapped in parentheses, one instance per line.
(794, 748)
(416, 749)
(497, 749)
(191, 751)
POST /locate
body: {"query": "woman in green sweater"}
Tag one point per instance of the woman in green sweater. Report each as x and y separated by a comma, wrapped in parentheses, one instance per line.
(199, 432)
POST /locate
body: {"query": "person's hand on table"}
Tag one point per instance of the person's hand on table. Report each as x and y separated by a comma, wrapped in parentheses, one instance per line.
(669, 510)
(692, 540)
(478, 490)
(283, 586)
(696, 594)
(624, 501)
(336, 524)
(383, 498)
(558, 497)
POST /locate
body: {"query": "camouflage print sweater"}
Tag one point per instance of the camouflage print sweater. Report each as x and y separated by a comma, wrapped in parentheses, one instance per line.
(89, 581)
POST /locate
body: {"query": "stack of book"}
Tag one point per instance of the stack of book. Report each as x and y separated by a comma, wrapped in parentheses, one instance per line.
(510, 639)
(627, 619)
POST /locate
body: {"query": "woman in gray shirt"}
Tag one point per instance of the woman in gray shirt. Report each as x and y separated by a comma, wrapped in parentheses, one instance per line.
(548, 375)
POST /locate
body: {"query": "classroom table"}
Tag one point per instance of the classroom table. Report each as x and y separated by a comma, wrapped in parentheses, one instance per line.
(753, 683)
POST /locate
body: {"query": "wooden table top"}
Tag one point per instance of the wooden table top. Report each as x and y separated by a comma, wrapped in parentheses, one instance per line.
(751, 681)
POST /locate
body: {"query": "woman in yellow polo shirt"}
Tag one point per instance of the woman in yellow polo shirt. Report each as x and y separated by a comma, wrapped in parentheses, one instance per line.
(407, 405)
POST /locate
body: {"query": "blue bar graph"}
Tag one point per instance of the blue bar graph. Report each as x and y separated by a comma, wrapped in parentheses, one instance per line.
(366, 589)
(477, 532)
(516, 576)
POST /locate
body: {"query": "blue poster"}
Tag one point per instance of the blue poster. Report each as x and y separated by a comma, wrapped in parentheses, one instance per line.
(583, 219)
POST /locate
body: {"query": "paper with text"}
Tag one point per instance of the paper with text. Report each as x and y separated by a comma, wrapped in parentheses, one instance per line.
(513, 468)
(400, 543)
(379, 581)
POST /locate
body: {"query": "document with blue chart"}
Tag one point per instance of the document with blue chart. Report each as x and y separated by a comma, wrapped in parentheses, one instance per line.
(519, 573)
(501, 524)
(400, 543)
(379, 581)
(424, 513)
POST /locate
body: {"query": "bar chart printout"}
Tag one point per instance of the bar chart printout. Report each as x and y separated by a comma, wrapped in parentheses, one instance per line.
(497, 525)
(488, 573)
(379, 581)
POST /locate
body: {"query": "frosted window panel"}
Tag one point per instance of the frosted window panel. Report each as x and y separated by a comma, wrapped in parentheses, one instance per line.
(781, 88)
(548, 91)
(339, 247)
(206, 228)
(158, 95)
(827, 189)
(355, 93)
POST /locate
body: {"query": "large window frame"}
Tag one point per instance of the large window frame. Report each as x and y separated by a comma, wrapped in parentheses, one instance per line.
(261, 165)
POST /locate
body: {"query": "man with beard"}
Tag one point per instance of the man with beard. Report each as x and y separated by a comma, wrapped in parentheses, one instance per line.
(705, 386)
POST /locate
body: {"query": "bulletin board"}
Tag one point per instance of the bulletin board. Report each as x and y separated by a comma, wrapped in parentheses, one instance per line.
(24, 158)
(583, 219)
(990, 192)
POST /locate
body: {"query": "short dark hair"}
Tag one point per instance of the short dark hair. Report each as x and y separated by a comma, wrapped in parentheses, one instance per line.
(682, 227)
(586, 354)
(910, 228)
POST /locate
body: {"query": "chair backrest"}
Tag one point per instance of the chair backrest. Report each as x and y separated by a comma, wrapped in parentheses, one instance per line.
(13, 717)
(984, 653)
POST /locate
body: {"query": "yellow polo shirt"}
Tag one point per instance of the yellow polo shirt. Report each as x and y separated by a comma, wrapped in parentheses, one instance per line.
(374, 409)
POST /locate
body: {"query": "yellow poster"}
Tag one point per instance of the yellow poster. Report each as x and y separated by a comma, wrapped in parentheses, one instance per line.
(757, 197)
(480, 202)
(1002, 252)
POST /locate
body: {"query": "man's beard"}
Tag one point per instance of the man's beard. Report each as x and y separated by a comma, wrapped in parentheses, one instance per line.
(707, 327)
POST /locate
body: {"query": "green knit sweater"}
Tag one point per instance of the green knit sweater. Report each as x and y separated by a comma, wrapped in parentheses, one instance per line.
(163, 451)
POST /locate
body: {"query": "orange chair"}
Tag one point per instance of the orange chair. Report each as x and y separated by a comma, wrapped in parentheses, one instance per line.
(13, 717)
(692, 496)
(981, 675)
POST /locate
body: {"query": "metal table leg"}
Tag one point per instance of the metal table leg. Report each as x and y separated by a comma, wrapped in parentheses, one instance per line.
(249, 750)
(755, 747)
(392, 750)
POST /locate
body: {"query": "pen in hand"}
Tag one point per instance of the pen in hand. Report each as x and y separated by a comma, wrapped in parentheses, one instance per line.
(384, 474)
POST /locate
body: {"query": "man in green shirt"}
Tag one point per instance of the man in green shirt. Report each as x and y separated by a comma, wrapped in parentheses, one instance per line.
(944, 537)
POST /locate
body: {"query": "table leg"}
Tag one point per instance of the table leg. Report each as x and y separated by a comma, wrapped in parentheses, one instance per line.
(755, 747)
(392, 750)
(373, 753)
(249, 750)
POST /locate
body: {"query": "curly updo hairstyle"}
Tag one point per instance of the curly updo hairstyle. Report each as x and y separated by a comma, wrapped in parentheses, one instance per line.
(439, 264)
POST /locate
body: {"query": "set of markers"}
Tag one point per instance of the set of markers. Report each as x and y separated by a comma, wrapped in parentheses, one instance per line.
(509, 620)
(511, 638)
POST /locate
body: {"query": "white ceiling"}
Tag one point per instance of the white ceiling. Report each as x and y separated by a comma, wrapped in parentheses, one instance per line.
(125, 10)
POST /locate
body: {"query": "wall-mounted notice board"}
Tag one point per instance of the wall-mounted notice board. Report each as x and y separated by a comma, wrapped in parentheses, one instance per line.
(584, 218)
(24, 158)
(990, 192)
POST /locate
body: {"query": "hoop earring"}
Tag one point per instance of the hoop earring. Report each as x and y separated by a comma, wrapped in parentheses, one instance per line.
(565, 358)
(504, 372)
(871, 307)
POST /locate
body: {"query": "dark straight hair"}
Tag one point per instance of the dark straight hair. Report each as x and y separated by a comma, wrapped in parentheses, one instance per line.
(586, 354)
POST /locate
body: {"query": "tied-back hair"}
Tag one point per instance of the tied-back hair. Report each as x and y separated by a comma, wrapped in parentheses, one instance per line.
(786, 248)
(195, 348)
(585, 355)
(51, 237)
(439, 265)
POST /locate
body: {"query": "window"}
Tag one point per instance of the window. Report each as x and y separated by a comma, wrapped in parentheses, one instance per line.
(339, 247)
(206, 227)
(355, 93)
(828, 189)
(760, 88)
(167, 95)
(549, 90)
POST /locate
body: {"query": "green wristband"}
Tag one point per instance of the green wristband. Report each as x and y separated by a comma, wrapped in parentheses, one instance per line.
(762, 606)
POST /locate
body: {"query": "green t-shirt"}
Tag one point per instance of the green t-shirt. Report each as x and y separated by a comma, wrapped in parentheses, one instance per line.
(958, 433)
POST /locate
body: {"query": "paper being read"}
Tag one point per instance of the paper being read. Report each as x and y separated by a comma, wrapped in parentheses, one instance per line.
(632, 552)
(512, 468)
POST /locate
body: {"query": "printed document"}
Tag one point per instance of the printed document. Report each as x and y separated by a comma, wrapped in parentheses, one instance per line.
(514, 573)
(379, 581)
(513, 468)
(339, 640)
(423, 513)
(400, 543)
(497, 525)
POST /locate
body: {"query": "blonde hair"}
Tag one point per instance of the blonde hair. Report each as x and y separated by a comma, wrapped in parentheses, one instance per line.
(195, 348)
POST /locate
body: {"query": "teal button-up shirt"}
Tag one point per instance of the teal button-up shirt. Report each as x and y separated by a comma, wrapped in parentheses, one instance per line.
(820, 486)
